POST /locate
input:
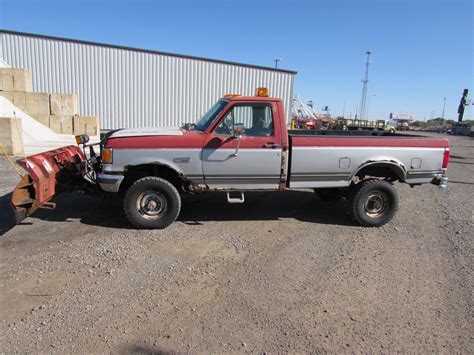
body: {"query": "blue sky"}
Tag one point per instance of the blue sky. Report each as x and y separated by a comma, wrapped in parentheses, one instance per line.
(422, 49)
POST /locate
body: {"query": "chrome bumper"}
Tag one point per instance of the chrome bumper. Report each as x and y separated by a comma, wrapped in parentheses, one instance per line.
(109, 183)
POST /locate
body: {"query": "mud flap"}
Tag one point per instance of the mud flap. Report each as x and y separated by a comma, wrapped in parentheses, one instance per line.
(49, 173)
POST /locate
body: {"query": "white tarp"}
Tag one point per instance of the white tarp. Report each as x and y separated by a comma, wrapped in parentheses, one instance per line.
(36, 137)
(3, 64)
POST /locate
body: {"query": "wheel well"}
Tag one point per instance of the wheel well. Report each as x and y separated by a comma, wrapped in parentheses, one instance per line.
(133, 173)
(383, 170)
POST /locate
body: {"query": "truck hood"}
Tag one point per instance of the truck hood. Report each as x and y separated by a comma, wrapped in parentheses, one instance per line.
(147, 131)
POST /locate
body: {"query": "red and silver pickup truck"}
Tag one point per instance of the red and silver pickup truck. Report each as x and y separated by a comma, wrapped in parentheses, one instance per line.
(241, 144)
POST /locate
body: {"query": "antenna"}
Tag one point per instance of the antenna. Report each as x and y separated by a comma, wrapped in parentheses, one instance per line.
(363, 101)
(276, 60)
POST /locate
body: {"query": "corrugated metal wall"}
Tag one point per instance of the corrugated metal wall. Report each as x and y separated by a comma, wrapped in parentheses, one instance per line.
(132, 88)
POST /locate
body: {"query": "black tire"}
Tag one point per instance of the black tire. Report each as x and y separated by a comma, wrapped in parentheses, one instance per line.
(330, 194)
(151, 203)
(373, 202)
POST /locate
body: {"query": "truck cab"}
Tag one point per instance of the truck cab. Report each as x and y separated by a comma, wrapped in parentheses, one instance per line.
(241, 143)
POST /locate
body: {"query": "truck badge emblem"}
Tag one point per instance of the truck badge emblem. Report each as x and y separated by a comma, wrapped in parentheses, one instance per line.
(181, 159)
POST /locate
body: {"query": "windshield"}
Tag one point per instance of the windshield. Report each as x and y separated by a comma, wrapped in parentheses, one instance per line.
(211, 115)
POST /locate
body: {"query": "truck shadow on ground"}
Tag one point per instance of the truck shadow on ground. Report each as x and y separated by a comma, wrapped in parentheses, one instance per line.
(7, 214)
(143, 350)
(196, 209)
(300, 205)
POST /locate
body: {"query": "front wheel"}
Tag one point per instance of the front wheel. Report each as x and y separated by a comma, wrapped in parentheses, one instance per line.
(152, 203)
(373, 203)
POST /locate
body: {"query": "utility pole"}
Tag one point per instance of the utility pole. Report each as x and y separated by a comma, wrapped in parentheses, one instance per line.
(363, 101)
(444, 107)
(276, 62)
(344, 109)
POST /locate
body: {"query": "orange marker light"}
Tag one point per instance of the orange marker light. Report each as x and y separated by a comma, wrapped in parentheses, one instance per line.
(261, 92)
(231, 95)
(107, 156)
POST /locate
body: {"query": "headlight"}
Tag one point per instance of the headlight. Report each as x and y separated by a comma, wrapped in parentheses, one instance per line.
(107, 156)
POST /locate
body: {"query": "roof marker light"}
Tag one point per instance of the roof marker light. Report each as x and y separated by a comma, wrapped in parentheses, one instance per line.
(262, 91)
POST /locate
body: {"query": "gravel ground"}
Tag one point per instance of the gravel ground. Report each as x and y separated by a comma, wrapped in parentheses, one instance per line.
(282, 272)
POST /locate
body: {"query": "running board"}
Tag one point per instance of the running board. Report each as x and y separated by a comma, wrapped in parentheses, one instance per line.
(236, 199)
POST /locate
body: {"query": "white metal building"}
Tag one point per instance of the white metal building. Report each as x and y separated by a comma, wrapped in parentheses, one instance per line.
(131, 87)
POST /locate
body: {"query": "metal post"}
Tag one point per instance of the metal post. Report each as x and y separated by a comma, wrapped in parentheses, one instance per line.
(276, 62)
(462, 104)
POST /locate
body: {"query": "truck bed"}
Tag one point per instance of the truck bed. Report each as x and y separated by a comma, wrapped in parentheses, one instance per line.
(322, 159)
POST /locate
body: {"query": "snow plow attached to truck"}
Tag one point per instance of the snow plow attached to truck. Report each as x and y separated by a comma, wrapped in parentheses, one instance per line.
(241, 144)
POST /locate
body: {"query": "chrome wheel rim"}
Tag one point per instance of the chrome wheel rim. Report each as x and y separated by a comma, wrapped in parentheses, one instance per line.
(151, 205)
(376, 204)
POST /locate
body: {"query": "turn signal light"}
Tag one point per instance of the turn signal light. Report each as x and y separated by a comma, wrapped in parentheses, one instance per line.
(107, 156)
(262, 92)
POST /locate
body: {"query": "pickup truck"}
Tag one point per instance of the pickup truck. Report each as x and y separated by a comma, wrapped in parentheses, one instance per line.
(241, 144)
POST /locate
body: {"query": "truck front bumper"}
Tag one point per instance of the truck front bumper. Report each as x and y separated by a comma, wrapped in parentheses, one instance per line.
(109, 183)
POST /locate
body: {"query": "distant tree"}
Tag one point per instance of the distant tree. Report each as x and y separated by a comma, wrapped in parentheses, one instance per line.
(419, 124)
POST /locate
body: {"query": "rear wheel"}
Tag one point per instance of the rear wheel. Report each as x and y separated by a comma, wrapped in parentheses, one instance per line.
(152, 203)
(373, 203)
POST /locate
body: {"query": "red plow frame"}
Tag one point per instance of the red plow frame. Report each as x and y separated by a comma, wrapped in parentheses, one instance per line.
(49, 173)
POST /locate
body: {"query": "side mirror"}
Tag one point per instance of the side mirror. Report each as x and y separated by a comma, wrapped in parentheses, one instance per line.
(238, 129)
(82, 139)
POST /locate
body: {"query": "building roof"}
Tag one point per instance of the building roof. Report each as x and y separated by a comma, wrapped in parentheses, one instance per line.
(145, 51)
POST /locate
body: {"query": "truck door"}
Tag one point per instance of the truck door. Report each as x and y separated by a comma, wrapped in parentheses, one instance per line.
(243, 150)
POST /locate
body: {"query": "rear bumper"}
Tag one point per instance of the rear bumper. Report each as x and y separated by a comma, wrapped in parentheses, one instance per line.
(109, 183)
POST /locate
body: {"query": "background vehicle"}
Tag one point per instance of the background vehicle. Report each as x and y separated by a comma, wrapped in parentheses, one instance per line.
(461, 129)
(241, 144)
(368, 125)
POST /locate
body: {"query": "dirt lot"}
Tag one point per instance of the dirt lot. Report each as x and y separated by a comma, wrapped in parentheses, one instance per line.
(283, 272)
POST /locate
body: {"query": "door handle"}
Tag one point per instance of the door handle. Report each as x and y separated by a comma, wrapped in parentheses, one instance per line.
(271, 145)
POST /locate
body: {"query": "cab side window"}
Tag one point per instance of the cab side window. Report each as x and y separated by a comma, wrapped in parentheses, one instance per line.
(256, 119)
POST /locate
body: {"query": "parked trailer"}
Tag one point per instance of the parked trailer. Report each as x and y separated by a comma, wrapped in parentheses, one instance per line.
(368, 125)
(241, 144)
